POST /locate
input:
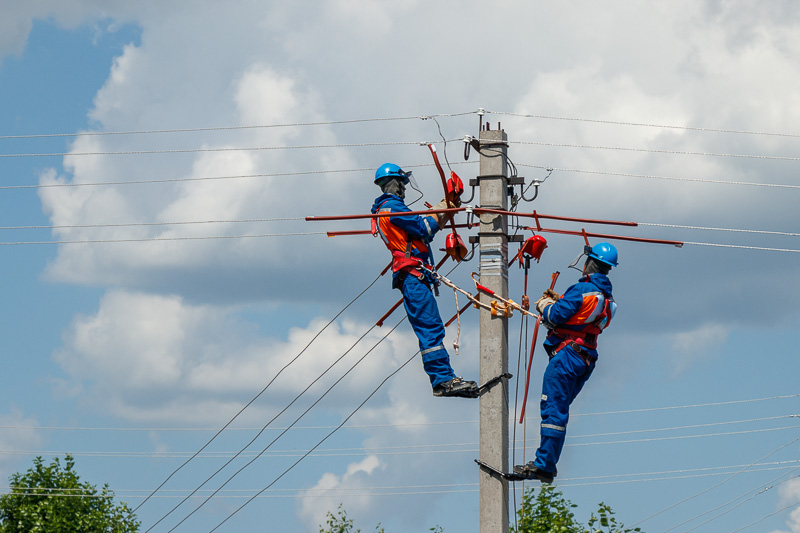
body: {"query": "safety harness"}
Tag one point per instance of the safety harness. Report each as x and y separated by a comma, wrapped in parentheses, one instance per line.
(400, 246)
(594, 318)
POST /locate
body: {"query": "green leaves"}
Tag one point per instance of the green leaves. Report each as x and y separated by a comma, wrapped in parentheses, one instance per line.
(52, 499)
(549, 512)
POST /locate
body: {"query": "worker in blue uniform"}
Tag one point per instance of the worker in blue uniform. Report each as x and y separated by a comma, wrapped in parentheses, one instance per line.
(574, 321)
(408, 238)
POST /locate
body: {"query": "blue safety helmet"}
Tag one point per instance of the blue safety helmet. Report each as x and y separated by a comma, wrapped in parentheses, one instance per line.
(390, 170)
(604, 253)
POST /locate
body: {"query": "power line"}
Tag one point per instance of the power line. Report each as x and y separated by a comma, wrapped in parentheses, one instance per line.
(759, 232)
(215, 150)
(761, 490)
(156, 224)
(320, 442)
(782, 509)
(413, 424)
(717, 485)
(671, 178)
(297, 419)
(378, 490)
(647, 125)
(160, 239)
(398, 449)
(287, 365)
(297, 397)
(230, 128)
(656, 151)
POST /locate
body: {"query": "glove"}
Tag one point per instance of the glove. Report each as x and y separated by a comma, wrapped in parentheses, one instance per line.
(550, 293)
(454, 190)
(543, 302)
(442, 218)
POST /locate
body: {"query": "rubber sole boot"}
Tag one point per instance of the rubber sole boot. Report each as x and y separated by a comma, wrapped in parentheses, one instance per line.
(531, 471)
(456, 387)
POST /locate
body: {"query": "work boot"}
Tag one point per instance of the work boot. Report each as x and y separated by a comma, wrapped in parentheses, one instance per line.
(456, 387)
(531, 471)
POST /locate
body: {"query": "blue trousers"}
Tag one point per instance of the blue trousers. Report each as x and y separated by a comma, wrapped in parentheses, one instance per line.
(423, 314)
(563, 380)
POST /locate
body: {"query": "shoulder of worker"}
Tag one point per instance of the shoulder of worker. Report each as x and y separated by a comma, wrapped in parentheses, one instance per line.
(389, 201)
(600, 281)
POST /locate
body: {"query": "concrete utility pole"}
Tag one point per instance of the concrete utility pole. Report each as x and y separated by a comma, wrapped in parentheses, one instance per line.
(493, 239)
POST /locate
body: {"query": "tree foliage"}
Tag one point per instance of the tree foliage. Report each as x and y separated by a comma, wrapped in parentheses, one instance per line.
(549, 512)
(52, 499)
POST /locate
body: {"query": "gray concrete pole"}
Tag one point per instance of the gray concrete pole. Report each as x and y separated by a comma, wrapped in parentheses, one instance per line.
(494, 332)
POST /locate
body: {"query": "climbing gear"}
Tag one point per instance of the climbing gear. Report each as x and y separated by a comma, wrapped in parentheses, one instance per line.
(456, 387)
(595, 313)
(604, 252)
(501, 306)
(398, 243)
(520, 473)
(531, 471)
(390, 170)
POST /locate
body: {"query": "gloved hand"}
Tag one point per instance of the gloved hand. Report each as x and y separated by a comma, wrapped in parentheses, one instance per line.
(550, 293)
(454, 190)
(442, 218)
(543, 302)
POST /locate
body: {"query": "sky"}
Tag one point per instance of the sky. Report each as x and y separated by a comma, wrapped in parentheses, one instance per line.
(157, 161)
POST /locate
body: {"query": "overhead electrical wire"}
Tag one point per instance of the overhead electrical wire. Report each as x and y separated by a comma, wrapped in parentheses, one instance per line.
(214, 150)
(447, 449)
(655, 151)
(415, 424)
(676, 504)
(403, 118)
(296, 219)
(782, 509)
(758, 492)
(611, 479)
(319, 443)
(297, 419)
(232, 128)
(297, 397)
(669, 178)
(644, 124)
(209, 178)
(263, 390)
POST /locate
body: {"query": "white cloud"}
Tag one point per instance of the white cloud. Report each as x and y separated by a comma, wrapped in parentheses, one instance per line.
(789, 494)
(326, 495)
(157, 358)
(19, 433)
(704, 342)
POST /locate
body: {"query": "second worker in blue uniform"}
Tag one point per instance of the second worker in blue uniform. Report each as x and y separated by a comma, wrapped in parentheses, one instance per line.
(573, 321)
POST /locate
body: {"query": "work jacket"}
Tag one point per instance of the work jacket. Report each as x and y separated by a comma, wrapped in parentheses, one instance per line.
(580, 314)
(406, 236)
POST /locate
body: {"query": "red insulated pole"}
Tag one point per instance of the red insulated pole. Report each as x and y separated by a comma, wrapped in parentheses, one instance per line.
(553, 280)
